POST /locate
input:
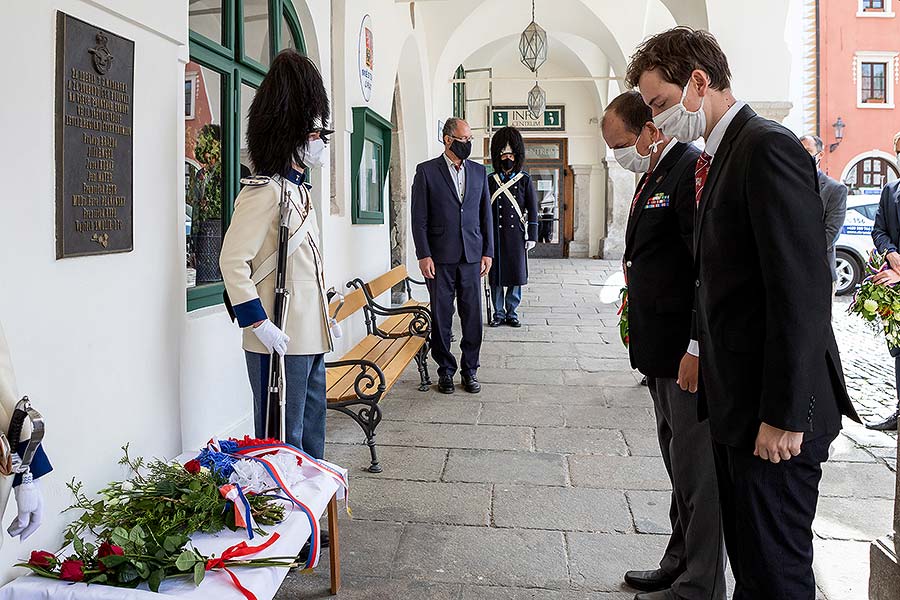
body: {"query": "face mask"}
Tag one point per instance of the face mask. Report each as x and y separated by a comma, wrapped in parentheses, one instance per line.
(507, 164)
(630, 159)
(314, 153)
(679, 122)
(462, 150)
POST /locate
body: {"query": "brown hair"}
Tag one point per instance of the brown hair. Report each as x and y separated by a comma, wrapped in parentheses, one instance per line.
(677, 53)
(631, 108)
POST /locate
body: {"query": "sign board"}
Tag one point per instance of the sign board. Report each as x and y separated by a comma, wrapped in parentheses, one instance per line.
(366, 57)
(552, 119)
(94, 141)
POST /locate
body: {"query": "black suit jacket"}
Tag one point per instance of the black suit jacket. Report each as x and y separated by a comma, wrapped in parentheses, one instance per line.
(659, 264)
(447, 230)
(886, 231)
(767, 350)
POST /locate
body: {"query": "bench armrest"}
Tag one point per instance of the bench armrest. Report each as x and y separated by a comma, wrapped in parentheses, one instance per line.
(370, 377)
(420, 325)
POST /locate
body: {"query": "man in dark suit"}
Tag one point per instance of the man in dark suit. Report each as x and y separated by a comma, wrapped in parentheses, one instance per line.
(770, 372)
(886, 235)
(659, 269)
(834, 201)
(453, 234)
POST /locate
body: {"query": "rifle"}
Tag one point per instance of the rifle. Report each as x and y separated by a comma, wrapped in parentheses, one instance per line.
(275, 404)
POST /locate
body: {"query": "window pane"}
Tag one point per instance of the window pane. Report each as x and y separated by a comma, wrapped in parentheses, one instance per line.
(256, 30)
(205, 17)
(247, 95)
(546, 182)
(287, 36)
(203, 177)
(370, 188)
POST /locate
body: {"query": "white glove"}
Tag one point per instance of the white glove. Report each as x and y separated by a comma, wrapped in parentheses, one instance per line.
(274, 339)
(336, 331)
(529, 244)
(30, 503)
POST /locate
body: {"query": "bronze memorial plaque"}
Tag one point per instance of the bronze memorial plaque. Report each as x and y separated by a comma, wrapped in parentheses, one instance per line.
(94, 142)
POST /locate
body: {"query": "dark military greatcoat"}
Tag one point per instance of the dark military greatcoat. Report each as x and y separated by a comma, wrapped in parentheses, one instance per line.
(510, 233)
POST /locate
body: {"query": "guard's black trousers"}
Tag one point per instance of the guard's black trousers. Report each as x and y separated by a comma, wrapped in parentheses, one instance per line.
(767, 514)
(462, 282)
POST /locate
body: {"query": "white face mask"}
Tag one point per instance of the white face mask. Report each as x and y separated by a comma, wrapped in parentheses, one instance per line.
(678, 122)
(630, 159)
(314, 154)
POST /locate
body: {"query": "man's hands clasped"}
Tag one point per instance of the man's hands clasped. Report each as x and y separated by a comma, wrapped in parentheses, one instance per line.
(889, 276)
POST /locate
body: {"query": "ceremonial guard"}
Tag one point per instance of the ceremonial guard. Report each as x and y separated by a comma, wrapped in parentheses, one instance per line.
(22, 458)
(285, 139)
(514, 205)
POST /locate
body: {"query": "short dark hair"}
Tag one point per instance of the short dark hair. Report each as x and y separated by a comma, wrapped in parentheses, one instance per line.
(632, 109)
(677, 53)
(511, 136)
(820, 145)
(450, 126)
(291, 103)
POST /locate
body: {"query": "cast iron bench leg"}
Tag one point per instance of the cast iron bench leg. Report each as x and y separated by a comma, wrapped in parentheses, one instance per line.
(422, 364)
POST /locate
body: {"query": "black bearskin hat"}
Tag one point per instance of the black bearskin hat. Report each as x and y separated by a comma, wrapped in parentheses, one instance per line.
(290, 104)
(502, 137)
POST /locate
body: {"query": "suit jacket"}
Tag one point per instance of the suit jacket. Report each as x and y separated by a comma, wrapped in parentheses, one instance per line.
(443, 227)
(834, 201)
(659, 264)
(251, 238)
(767, 350)
(886, 231)
(510, 265)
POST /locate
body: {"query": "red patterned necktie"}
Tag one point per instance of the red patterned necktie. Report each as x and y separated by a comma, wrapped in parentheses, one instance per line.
(701, 173)
(640, 189)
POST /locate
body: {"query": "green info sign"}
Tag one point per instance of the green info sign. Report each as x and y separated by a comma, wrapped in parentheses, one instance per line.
(552, 119)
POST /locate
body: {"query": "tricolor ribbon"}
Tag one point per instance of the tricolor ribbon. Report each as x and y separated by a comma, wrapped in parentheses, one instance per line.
(237, 551)
(242, 515)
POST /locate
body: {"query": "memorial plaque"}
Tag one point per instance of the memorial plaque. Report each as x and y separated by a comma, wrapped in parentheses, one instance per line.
(94, 142)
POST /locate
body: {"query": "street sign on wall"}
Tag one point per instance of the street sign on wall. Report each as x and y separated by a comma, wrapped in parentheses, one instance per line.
(552, 119)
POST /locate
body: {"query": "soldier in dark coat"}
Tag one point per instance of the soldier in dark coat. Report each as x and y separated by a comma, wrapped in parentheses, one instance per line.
(514, 205)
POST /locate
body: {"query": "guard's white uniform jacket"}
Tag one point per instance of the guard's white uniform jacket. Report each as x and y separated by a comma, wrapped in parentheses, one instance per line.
(251, 238)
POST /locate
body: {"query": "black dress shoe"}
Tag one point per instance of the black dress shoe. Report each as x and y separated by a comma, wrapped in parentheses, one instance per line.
(445, 384)
(665, 594)
(513, 322)
(471, 384)
(644, 381)
(649, 581)
(495, 322)
(889, 424)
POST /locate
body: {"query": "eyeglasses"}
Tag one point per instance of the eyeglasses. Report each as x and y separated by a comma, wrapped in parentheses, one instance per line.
(463, 140)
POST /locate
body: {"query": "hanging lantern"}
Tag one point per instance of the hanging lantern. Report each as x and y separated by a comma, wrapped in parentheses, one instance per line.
(537, 101)
(533, 44)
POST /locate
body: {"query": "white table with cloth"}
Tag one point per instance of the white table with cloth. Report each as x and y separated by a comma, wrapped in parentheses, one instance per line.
(318, 492)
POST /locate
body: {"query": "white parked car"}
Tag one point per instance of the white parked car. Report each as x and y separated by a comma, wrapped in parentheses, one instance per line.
(855, 242)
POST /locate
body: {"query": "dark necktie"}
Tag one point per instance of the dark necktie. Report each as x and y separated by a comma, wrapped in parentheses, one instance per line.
(701, 173)
(640, 189)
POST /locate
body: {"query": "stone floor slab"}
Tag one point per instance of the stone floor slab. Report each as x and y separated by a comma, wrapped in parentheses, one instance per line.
(634, 396)
(842, 569)
(460, 411)
(609, 418)
(561, 508)
(642, 442)
(482, 556)
(315, 586)
(532, 414)
(562, 394)
(567, 440)
(597, 561)
(858, 519)
(857, 480)
(506, 467)
(520, 376)
(421, 502)
(433, 435)
(650, 511)
(498, 593)
(619, 472)
(605, 378)
(417, 464)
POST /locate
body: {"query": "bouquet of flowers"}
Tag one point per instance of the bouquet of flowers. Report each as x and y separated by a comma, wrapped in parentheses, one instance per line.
(128, 558)
(623, 315)
(879, 305)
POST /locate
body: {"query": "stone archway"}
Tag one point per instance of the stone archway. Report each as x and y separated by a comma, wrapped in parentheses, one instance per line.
(397, 191)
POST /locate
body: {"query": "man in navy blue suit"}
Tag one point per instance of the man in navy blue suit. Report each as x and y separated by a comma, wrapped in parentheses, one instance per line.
(453, 233)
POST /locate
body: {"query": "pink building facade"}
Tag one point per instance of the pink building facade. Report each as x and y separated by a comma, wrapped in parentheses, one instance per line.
(859, 88)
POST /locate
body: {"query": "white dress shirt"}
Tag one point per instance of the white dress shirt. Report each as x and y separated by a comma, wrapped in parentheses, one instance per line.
(458, 175)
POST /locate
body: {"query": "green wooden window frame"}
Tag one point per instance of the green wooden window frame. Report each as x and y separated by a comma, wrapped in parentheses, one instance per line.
(229, 60)
(368, 125)
(459, 94)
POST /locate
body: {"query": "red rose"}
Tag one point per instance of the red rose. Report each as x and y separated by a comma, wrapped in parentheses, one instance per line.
(71, 570)
(42, 559)
(192, 466)
(107, 549)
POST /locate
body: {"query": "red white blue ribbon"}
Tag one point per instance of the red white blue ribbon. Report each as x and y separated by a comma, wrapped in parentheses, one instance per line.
(242, 515)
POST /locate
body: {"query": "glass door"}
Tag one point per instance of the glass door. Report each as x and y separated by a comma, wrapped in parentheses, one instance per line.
(545, 161)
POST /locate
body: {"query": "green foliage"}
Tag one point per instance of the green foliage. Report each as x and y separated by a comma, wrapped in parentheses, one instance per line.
(878, 305)
(163, 499)
(208, 151)
(623, 315)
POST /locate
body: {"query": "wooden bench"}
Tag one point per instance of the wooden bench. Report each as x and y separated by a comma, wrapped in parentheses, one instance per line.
(396, 336)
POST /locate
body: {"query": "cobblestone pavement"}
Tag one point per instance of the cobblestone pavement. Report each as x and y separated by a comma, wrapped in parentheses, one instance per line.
(548, 485)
